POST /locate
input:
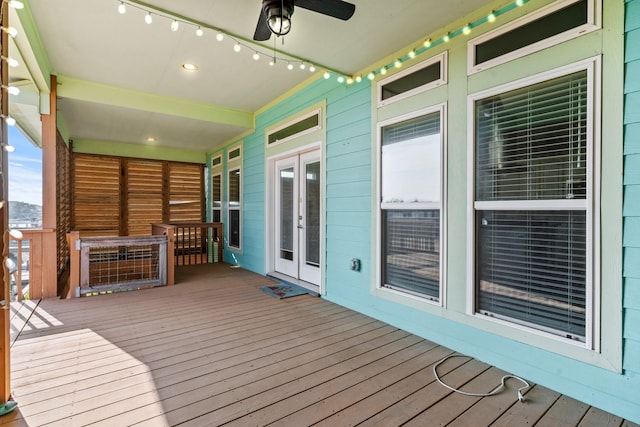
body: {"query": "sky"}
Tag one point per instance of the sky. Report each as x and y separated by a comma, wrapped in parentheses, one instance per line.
(25, 169)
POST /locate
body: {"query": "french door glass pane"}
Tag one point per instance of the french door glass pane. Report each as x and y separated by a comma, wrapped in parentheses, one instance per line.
(531, 268)
(312, 213)
(287, 177)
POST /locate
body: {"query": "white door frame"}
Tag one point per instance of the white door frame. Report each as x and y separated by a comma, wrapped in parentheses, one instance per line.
(270, 214)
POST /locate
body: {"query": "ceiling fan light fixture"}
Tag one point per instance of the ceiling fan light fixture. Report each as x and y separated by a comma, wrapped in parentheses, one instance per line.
(278, 13)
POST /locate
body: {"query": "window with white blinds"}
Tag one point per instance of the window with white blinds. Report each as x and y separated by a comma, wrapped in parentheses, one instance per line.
(234, 208)
(216, 197)
(411, 203)
(532, 205)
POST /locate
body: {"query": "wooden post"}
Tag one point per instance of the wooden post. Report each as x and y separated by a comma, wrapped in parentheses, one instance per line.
(49, 176)
(5, 322)
(170, 232)
(74, 264)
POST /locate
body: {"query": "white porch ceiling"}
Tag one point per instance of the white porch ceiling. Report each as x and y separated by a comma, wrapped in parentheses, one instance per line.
(144, 92)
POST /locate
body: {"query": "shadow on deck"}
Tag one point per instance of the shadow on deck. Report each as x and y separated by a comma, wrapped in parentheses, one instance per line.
(216, 350)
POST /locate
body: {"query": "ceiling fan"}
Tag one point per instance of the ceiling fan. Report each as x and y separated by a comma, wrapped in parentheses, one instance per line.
(275, 16)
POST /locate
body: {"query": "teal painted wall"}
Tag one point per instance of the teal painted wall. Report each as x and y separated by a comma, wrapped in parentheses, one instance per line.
(348, 135)
(631, 209)
(350, 187)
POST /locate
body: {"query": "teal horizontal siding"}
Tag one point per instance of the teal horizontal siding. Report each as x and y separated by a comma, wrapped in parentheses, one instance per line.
(631, 211)
(355, 219)
(632, 294)
(632, 233)
(632, 40)
(632, 107)
(631, 264)
(633, 69)
(631, 138)
(631, 200)
(357, 173)
(348, 132)
(632, 168)
(631, 322)
(632, 16)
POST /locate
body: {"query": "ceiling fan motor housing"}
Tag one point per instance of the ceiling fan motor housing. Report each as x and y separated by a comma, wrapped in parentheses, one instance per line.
(278, 14)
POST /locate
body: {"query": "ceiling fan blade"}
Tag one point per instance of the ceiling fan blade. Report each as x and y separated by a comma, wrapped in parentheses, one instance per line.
(335, 8)
(263, 32)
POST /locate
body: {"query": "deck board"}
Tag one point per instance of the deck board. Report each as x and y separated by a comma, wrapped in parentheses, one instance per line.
(214, 349)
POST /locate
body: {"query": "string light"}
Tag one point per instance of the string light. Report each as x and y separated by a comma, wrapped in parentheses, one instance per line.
(10, 61)
(430, 43)
(9, 120)
(327, 76)
(12, 90)
(9, 148)
(122, 9)
(176, 21)
(11, 31)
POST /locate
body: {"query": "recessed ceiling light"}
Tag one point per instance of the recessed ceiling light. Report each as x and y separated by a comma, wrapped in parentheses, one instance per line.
(189, 67)
(151, 139)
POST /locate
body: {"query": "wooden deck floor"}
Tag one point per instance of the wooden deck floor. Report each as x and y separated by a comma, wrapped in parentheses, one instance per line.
(216, 350)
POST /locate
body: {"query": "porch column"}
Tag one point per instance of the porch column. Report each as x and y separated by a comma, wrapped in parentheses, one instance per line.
(49, 247)
(5, 369)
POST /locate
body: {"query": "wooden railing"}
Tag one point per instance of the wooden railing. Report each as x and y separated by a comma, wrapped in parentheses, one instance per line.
(186, 244)
(34, 277)
(194, 242)
(102, 264)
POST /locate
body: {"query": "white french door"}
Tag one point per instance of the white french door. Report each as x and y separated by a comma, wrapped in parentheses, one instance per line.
(297, 216)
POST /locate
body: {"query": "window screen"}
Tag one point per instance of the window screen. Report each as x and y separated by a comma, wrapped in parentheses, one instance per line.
(531, 146)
